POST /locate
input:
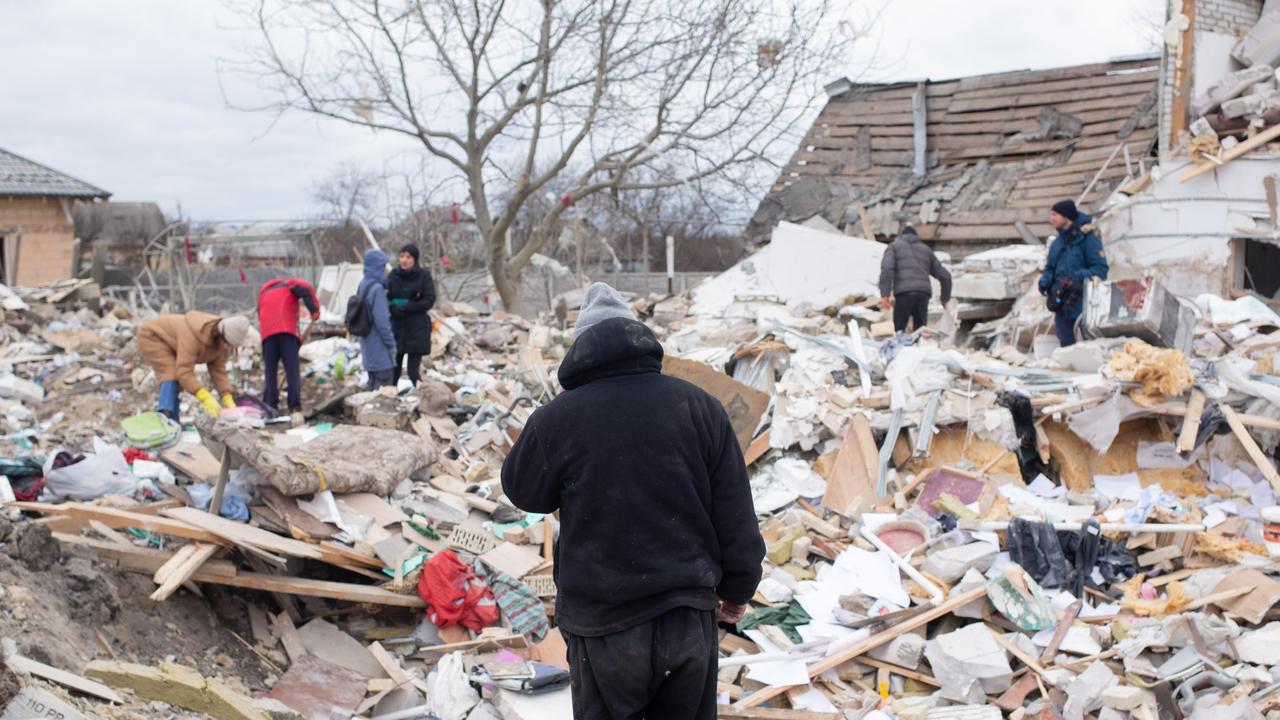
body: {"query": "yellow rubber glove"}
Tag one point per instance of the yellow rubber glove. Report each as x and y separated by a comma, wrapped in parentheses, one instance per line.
(206, 399)
(228, 401)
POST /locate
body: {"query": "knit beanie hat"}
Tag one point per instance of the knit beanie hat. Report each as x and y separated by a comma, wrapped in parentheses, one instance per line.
(237, 330)
(1067, 209)
(601, 303)
(412, 250)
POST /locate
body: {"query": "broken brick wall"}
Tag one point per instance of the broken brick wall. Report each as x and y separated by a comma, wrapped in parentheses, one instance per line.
(1229, 17)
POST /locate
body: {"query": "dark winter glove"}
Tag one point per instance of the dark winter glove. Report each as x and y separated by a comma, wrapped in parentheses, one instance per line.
(1044, 289)
(397, 310)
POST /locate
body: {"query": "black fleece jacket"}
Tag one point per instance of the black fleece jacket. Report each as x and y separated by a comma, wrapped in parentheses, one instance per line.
(647, 474)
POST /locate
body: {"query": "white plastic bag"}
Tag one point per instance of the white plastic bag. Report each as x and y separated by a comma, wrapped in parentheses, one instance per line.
(449, 695)
(105, 472)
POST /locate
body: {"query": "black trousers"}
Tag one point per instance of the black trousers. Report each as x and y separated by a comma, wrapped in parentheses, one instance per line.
(415, 366)
(913, 306)
(282, 347)
(664, 669)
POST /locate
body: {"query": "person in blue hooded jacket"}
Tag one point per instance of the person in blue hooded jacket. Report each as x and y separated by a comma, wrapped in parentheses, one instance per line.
(1075, 256)
(378, 348)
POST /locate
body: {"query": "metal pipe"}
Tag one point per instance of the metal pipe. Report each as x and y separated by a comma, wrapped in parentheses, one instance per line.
(1001, 526)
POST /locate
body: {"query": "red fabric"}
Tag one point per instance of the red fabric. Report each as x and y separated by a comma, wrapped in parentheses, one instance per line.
(131, 454)
(278, 306)
(454, 595)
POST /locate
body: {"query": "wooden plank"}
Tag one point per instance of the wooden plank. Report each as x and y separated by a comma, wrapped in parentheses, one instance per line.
(183, 554)
(875, 641)
(260, 626)
(506, 641)
(1016, 651)
(315, 588)
(289, 637)
(1183, 70)
(963, 103)
(1019, 78)
(390, 665)
(114, 518)
(194, 461)
(1250, 445)
(179, 573)
(854, 473)
(302, 525)
(758, 448)
(230, 531)
(1064, 86)
(899, 670)
(108, 533)
(27, 666)
(1243, 148)
(138, 559)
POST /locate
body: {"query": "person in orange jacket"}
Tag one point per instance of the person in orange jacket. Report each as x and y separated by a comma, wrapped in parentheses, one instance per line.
(174, 344)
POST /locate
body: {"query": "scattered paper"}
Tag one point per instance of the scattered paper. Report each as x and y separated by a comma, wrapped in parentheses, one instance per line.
(1119, 487)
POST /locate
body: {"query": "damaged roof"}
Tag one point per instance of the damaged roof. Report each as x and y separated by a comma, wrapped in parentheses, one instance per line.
(1000, 149)
(20, 176)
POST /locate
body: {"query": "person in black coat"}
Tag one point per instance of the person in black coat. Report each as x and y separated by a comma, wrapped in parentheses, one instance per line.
(658, 534)
(411, 293)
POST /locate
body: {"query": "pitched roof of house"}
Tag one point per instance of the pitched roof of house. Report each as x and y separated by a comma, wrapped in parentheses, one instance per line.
(1000, 149)
(20, 176)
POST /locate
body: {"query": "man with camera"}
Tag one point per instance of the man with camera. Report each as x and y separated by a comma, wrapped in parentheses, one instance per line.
(1075, 256)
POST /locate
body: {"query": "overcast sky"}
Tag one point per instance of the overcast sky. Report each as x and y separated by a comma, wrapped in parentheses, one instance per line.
(127, 94)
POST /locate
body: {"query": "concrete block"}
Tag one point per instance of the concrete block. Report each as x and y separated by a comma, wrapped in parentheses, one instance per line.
(1230, 86)
(970, 664)
(33, 703)
(12, 386)
(1261, 45)
(951, 564)
(1259, 646)
(1126, 697)
(1084, 694)
(983, 286)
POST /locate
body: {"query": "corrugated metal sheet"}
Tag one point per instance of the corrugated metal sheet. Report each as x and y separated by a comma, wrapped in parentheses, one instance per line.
(20, 176)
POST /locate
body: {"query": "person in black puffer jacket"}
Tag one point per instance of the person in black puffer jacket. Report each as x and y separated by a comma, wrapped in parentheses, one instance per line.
(904, 274)
(410, 293)
(658, 534)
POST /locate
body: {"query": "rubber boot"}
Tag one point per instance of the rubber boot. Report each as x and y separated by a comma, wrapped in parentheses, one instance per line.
(167, 405)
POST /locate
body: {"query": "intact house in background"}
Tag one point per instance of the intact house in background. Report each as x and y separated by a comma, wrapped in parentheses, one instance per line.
(974, 162)
(37, 229)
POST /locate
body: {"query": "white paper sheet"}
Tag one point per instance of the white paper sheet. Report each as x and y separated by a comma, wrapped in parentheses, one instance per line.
(1119, 487)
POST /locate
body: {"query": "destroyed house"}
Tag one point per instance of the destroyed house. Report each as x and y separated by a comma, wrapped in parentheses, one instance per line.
(974, 162)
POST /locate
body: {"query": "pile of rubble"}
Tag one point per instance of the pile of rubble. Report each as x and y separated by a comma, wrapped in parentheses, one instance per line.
(996, 527)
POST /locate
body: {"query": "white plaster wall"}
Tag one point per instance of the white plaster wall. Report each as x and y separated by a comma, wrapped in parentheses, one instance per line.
(1181, 232)
(1212, 60)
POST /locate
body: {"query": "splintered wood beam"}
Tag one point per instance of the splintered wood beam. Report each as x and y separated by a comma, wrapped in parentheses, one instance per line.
(1251, 446)
(1191, 422)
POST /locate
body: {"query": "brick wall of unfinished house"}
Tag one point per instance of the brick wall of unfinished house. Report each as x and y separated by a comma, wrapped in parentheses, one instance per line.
(1221, 18)
(47, 238)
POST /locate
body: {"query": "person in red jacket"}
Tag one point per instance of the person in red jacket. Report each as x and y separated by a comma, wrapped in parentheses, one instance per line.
(278, 317)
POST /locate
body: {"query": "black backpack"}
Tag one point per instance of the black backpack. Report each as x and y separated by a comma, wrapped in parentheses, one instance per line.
(358, 320)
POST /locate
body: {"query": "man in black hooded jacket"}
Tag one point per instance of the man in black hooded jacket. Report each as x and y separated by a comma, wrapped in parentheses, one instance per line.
(658, 534)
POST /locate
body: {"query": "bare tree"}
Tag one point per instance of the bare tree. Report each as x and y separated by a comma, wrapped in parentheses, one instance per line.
(568, 97)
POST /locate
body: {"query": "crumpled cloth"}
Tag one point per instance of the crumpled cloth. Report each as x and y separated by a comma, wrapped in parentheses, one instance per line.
(454, 595)
(520, 606)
